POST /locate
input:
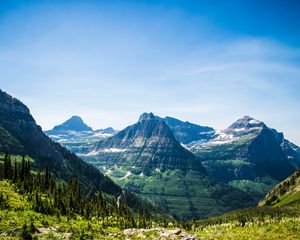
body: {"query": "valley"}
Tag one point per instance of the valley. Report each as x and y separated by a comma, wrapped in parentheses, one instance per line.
(150, 185)
(159, 120)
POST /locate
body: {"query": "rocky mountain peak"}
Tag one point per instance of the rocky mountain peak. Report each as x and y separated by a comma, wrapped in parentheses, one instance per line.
(148, 133)
(247, 122)
(75, 123)
(10, 104)
(147, 116)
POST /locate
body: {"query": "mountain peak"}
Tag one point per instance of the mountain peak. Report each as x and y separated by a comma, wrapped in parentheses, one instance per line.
(246, 122)
(75, 118)
(75, 123)
(147, 116)
(11, 104)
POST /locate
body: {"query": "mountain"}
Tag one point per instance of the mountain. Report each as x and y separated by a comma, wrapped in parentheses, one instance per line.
(286, 192)
(82, 142)
(186, 132)
(146, 159)
(249, 155)
(78, 137)
(75, 123)
(19, 134)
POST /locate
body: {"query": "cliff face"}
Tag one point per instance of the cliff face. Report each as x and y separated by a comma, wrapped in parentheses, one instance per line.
(266, 152)
(16, 120)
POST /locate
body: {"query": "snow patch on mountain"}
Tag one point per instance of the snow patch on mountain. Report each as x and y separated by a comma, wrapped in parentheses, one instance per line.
(254, 122)
(126, 175)
(113, 150)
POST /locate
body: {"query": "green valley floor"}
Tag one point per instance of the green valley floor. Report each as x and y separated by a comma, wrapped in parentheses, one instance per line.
(18, 221)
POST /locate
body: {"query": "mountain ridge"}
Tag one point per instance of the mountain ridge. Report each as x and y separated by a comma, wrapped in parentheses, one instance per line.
(20, 135)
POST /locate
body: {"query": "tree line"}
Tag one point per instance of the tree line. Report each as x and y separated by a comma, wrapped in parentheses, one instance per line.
(49, 195)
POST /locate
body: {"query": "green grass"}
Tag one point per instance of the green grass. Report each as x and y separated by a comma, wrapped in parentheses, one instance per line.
(288, 198)
(253, 223)
(257, 188)
(19, 212)
(14, 200)
(12, 221)
(286, 192)
(286, 228)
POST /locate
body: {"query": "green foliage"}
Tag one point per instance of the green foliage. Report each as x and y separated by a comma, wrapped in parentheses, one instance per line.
(40, 193)
(253, 223)
(285, 192)
(257, 188)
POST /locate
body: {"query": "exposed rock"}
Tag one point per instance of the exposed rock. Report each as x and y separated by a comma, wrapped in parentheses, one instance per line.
(186, 132)
(55, 230)
(163, 234)
(170, 233)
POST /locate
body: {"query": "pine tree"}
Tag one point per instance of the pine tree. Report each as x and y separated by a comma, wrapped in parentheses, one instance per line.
(15, 175)
(8, 172)
(22, 174)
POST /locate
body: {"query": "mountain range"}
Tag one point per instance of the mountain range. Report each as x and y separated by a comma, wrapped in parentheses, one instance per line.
(20, 135)
(146, 159)
(247, 155)
(77, 136)
(190, 170)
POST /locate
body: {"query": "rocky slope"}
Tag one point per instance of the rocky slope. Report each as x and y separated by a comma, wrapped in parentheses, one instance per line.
(146, 159)
(186, 132)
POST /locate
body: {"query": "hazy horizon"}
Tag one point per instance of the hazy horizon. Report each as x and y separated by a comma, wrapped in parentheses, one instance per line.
(110, 61)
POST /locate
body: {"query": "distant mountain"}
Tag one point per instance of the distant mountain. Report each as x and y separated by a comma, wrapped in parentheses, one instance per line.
(249, 155)
(108, 130)
(146, 159)
(243, 155)
(20, 134)
(75, 123)
(186, 132)
(286, 192)
(77, 136)
(81, 142)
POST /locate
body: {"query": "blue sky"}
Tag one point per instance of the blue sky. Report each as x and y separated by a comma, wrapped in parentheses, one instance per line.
(207, 62)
